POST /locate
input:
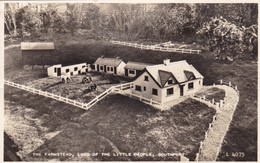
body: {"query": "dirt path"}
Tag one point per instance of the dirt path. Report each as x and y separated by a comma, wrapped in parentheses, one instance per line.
(212, 144)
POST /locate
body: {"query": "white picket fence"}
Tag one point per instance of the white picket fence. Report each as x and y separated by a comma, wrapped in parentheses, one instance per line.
(156, 47)
(85, 106)
(216, 105)
(143, 99)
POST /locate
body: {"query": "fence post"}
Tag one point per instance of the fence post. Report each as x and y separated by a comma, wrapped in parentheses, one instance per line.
(206, 134)
(141, 46)
(229, 84)
(204, 97)
(197, 157)
(221, 103)
(221, 81)
(236, 88)
(214, 118)
(217, 105)
(135, 45)
(140, 97)
(151, 101)
(214, 84)
(213, 101)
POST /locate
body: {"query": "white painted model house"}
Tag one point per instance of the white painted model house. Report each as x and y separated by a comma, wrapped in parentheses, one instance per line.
(58, 70)
(135, 69)
(168, 81)
(110, 65)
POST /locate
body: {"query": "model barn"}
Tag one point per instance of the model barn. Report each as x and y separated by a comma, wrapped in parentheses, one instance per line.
(168, 81)
(37, 53)
(135, 69)
(70, 70)
(110, 65)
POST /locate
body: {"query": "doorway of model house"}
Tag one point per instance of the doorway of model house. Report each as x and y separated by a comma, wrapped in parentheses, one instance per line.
(181, 90)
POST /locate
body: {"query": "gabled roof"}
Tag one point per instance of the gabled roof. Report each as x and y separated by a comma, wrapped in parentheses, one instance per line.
(108, 61)
(164, 76)
(180, 70)
(37, 46)
(136, 65)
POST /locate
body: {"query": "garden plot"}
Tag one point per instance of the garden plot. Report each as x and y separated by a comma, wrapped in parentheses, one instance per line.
(75, 89)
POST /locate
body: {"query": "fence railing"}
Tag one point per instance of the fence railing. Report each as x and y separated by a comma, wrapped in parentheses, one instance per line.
(217, 105)
(82, 105)
(156, 47)
(143, 99)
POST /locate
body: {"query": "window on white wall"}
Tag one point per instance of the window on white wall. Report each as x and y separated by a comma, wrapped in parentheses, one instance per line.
(138, 88)
(108, 68)
(101, 67)
(112, 68)
(67, 70)
(146, 78)
(144, 88)
(75, 69)
(190, 86)
(155, 92)
(169, 91)
(55, 69)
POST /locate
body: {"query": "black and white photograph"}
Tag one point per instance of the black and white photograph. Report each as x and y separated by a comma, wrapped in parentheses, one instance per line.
(103, 81)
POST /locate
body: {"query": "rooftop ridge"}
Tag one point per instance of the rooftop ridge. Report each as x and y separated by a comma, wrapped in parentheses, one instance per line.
(170, 64)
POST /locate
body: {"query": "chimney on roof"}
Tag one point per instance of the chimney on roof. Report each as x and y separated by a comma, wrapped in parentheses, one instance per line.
(102, 56)
(166, 61)
(117, 58)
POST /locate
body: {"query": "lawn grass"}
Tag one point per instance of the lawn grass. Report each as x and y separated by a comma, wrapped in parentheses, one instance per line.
(212, 93)
(116, 124)
(242, 136)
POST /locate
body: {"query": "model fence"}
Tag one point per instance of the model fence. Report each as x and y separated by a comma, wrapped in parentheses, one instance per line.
(157, 47)
(82, 105)
(216, 105)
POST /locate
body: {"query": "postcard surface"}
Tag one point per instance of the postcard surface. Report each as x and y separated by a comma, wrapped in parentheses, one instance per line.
(129, 81)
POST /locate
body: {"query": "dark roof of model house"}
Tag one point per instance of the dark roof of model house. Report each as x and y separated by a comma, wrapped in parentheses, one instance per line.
(180, 71)
(136, 65)
(108, 61)
(37, 46)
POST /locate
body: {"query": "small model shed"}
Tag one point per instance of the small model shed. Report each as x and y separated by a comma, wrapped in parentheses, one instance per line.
(110, 65)
(58, 70)
(135, 69)
(37, 53)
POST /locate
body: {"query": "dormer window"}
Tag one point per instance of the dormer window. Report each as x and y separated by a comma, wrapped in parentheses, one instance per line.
(146, 78)
(170, 81)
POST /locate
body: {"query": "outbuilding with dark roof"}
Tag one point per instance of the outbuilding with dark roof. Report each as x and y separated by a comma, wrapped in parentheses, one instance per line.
(37, 53)
(110, 65)
(134, 69)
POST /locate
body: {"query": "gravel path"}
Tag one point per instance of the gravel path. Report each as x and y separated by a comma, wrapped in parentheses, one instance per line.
(212, 144)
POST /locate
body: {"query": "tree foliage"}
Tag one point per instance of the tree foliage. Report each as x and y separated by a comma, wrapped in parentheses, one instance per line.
(226, 39)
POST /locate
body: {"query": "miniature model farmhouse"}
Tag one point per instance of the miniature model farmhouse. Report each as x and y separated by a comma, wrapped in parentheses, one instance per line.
(168, 81)
(58, 70)
(134, 69)
(110, 65)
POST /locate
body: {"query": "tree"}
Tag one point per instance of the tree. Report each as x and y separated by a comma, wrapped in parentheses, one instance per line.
(28, 21)
(10, 19)
(226, 39)
(71, 21)
(91, 16)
